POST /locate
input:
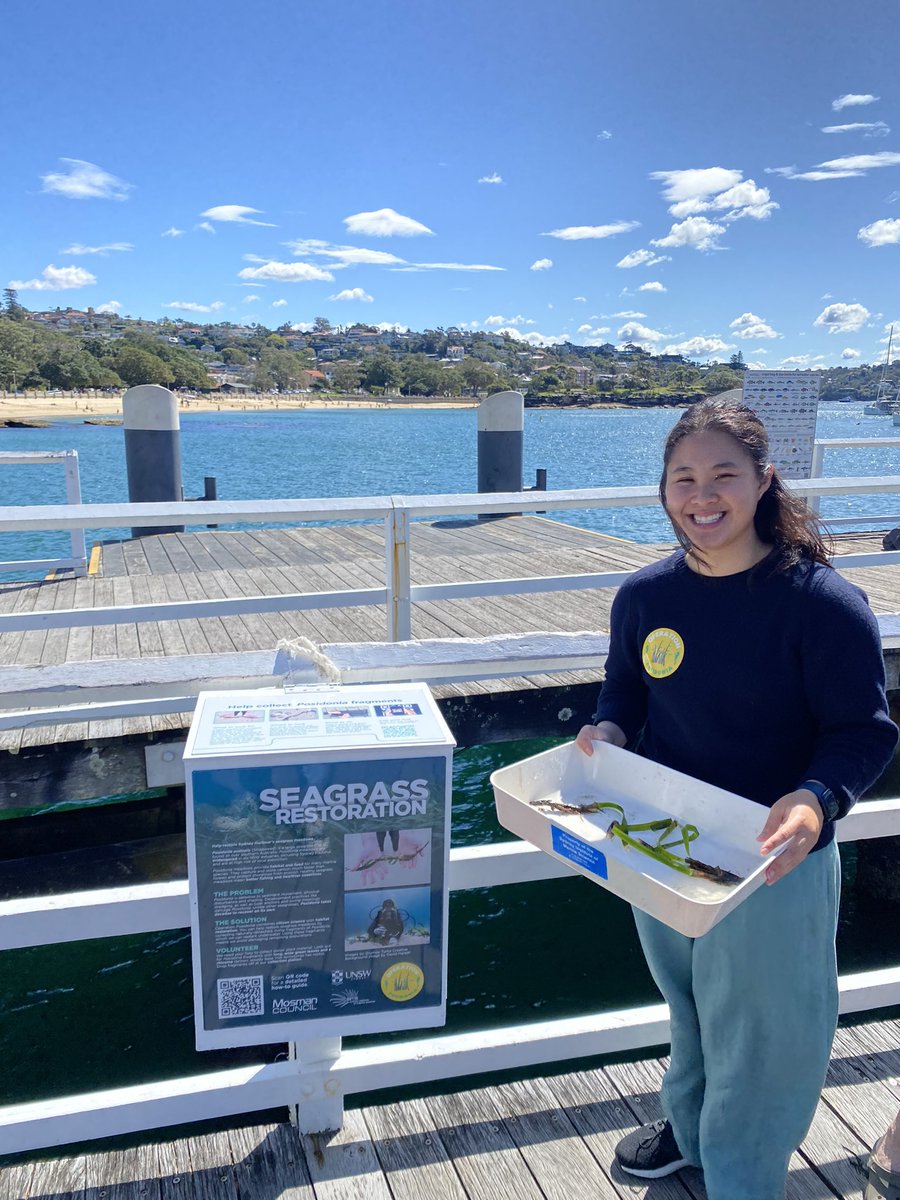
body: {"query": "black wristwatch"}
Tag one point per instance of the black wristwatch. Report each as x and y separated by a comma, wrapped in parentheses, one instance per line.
(828, 802)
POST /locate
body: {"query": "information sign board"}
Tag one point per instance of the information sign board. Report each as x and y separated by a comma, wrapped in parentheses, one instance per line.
(787, 402)
(318, 839)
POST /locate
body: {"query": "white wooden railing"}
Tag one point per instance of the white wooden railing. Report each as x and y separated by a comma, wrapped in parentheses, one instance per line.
(817, 469)
(68, 460)
(397, 513)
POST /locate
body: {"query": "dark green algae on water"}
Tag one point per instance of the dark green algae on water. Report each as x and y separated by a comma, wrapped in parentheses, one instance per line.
(111, 1012)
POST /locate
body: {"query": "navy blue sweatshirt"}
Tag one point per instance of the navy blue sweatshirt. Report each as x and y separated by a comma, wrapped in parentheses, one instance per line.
(753, 682)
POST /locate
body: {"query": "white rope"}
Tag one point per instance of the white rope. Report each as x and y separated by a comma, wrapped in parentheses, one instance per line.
(301, 652)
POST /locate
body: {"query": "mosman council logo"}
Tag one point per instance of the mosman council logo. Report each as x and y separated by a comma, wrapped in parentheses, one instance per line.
(662, 653)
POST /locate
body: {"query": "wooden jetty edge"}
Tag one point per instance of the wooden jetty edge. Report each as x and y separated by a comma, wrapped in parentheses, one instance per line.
(535, 1139)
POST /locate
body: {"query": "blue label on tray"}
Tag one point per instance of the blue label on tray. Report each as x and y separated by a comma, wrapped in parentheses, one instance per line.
(579, 852)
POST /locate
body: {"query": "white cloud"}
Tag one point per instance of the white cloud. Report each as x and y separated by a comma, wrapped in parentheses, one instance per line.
(652, 285)
(642, 258)
(299, 272)
(847, 167)
(881, 233)
(190, 306)
(536, 339)
(498, 320)
(628, 315)
(495, 178)
(698, 347)
(85, 181)
(581, 299)
(235, 214)
(441, 266)
(632, 331)
(385, 222)
(869, 129)
(541, 264)
(577, 233)
(843, 318)
(55, 279)
(849, 352)
(250, 299)
(693, 185)
(172, 232)
(111, 306)
(206, 226)
(353, 294)
(584, 329)
(595, 331)
(749, 325)
(279, 303)
(344, 256)
(697, 232)
(852, 101)
(802, 360)
(391, 327)
(604, 135)
(77, 249)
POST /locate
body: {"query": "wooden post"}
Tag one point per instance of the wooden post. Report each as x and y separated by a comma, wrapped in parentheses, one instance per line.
(73, 496)
(152, 449)
(501, 425)
(320, 1105)
(396, 539)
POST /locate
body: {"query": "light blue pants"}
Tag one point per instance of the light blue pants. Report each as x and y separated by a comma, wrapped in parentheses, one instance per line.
(753, 1012)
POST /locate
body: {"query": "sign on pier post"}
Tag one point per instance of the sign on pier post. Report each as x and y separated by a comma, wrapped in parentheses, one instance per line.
(318, 838)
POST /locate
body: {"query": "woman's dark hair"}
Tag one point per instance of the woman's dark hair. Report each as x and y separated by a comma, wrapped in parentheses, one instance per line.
(783, 520)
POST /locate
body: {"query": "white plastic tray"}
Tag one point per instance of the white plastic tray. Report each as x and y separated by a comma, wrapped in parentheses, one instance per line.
(728, 825)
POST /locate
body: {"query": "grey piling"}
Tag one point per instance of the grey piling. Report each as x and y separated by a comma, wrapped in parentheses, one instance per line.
(501, 424)
(152, 449)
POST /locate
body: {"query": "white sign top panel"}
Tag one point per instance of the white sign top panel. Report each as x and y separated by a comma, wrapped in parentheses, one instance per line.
(787, 403)
(272, 720)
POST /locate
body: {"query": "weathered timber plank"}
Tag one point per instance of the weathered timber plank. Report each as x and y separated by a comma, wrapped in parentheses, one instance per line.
(602, 1118)
(412, 1153)
(484, 1154)
(201, 559)
(197, 1168)
(856, 1093)
(345, 1164)
(16, 1180)
(560, 1161)
(830, 1148)
(131, 1174)
(268, 1161)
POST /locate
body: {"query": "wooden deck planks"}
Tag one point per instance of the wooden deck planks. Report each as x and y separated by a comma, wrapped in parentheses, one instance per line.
(538, 1139)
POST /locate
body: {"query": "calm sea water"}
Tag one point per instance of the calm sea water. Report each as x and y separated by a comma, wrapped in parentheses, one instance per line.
(115, 1011)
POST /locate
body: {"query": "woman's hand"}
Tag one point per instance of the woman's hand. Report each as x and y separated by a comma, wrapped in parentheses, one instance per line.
(796, 815)
(606, 731)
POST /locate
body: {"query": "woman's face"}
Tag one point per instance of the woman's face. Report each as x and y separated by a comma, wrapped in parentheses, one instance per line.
(712, 489)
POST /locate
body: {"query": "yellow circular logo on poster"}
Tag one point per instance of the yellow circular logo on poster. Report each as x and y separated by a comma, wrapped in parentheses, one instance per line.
(662, 653)
(402, 981)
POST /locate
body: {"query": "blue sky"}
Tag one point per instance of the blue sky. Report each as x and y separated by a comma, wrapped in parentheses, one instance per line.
(700, 177)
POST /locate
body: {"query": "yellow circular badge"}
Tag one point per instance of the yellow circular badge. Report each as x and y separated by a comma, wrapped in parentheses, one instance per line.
(402, 981)
(662, 653)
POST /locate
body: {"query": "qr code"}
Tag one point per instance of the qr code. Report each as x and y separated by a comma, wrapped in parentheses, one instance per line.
(241, 997)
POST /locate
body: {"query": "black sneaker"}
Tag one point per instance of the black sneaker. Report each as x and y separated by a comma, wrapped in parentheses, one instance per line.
(650, 1151)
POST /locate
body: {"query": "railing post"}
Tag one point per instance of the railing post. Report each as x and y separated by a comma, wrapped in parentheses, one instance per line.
(73, 496)
(396, 548)
(815, 472)
(320, 1104)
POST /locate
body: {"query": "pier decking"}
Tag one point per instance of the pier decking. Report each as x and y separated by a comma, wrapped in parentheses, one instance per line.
(544, 1138)
(265, 562)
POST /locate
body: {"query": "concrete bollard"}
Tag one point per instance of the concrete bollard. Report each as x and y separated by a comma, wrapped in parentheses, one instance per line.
(501, 424)
(152, 449)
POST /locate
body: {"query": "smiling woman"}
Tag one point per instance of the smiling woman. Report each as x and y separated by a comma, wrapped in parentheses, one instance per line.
(721, 667)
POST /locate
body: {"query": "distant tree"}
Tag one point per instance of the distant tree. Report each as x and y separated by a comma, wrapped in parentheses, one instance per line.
(421, 376)
(380, 372)
(235, 356)
(135, 366)
(477, 376)
(736, 362)
(321, 325)
(276, 341)
(11, 306)
(282, 369)
(346, 376)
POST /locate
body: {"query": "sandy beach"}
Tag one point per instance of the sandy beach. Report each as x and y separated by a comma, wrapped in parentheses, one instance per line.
(43, 406)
